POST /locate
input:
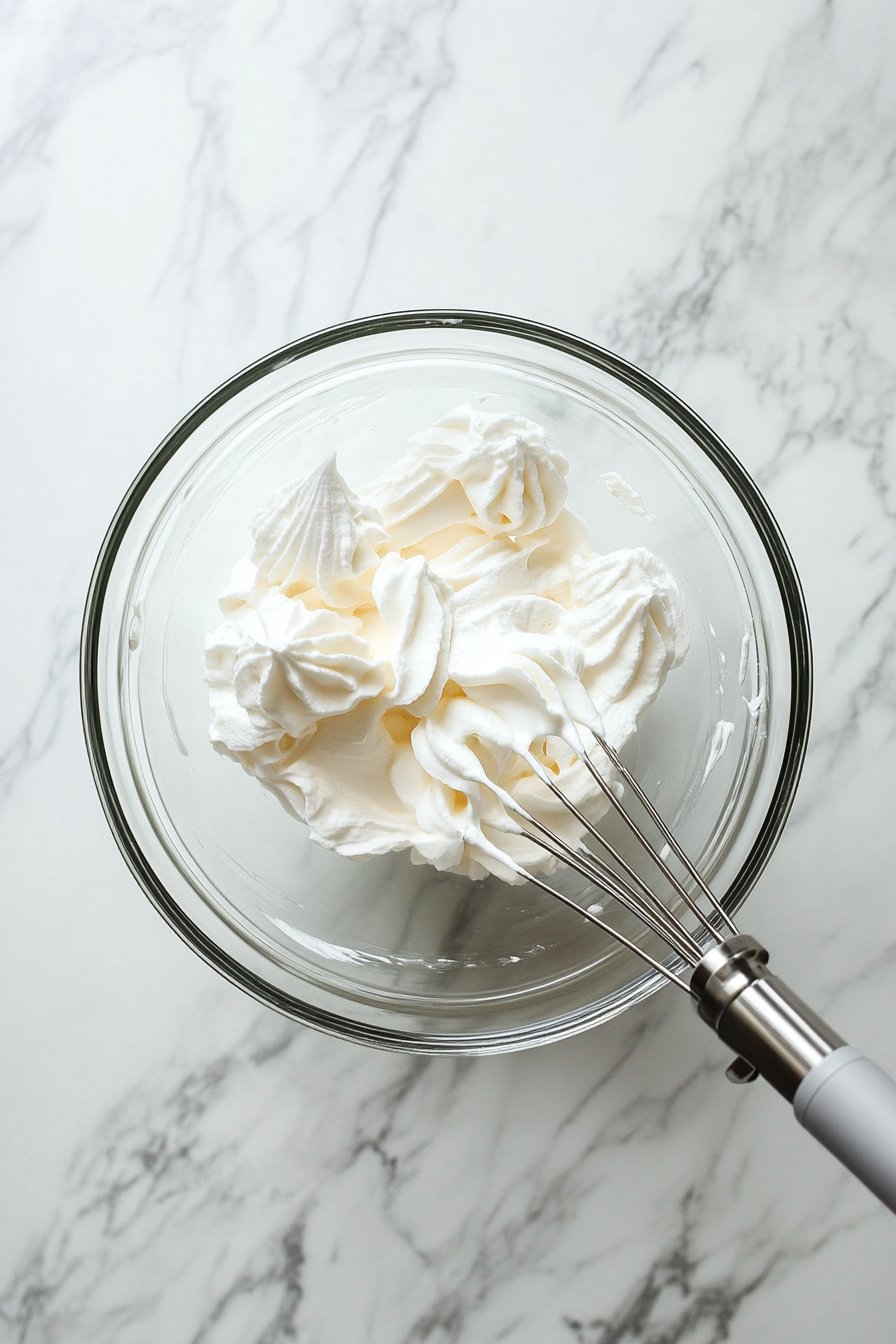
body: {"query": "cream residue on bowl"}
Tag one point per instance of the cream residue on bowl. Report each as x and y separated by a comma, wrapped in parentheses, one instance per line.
(387, 652)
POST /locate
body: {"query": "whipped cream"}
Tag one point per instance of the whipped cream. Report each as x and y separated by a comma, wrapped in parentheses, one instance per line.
(404, 665)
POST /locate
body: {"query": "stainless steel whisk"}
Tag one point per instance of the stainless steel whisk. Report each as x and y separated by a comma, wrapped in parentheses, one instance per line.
(838, 1094)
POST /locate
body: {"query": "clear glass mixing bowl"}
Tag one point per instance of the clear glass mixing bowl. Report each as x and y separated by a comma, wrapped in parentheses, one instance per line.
(381, 951)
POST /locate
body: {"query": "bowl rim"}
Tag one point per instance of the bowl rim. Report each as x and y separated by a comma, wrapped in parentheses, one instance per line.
(778, 553)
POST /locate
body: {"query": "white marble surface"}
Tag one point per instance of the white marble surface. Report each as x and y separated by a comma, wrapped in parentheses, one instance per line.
(707, 188)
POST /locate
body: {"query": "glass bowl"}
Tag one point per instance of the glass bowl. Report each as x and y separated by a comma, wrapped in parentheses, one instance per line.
(381, 951)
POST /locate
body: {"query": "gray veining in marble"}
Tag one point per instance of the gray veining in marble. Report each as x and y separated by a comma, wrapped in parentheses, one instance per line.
(706, 189)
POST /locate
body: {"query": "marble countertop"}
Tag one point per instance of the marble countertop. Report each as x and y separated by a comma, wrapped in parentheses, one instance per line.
(705, 188)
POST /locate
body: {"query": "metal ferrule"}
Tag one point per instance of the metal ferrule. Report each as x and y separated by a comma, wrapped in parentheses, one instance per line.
(758, 1016)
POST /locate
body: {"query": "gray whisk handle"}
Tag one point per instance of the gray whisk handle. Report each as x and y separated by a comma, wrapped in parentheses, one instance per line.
(849, 1105)
(838, 1095)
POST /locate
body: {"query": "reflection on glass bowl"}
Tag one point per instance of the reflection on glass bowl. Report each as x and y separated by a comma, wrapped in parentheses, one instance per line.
(382, 951)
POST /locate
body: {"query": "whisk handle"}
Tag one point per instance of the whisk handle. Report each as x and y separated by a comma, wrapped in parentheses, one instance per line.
(849, 1105)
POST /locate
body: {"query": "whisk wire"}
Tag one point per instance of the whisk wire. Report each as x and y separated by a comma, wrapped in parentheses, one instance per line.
(651, 850)
(607, 928)
(594, 870)
(632, 891)
(652, 899)
(667, 835)
(661, 922)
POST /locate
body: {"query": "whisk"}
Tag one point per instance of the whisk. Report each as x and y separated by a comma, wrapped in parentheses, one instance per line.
(837, 1093)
